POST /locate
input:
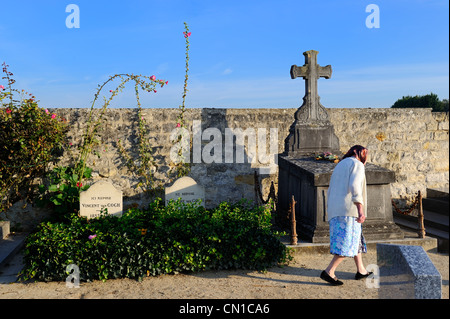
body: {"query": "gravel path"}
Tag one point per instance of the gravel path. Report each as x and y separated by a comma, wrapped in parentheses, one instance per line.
(299, 280)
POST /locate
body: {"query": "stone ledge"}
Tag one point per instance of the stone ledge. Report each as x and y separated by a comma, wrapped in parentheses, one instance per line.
(319, 172)
(324, 248)
(10, 246)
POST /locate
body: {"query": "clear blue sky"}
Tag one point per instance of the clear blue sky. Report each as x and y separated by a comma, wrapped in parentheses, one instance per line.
(240, 51)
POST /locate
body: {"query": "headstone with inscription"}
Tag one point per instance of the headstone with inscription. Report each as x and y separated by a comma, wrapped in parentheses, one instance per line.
(187, 190)
(100, 196)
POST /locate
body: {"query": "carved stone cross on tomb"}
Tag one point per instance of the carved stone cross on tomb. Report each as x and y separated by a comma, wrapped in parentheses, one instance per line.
(312, 131)
(311, 110)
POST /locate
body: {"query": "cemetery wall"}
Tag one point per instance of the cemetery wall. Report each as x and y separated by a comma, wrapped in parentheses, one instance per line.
(411, 142)
(414, 143)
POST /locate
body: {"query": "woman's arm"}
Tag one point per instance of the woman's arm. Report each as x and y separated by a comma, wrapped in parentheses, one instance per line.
(356, 181)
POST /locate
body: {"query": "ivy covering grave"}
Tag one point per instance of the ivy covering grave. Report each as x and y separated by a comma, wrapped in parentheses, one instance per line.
(158, 240)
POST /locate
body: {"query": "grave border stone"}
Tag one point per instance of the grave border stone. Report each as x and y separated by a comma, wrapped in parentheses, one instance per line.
(4, 229)
(406, 272)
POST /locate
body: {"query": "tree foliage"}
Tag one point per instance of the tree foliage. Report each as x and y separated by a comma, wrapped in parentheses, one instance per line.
(422, 101)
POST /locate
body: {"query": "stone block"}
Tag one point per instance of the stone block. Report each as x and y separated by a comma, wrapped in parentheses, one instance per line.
(4, 229)
(441, 136)
(443, 126)
(406, 272)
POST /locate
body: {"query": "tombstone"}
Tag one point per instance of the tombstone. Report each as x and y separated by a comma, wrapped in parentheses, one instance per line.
(312, 131)
(406, 272)
(187, 190)
(98, 196)
(308, 179)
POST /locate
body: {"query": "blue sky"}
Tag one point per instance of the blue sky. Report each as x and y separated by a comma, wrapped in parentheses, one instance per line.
(240, 51)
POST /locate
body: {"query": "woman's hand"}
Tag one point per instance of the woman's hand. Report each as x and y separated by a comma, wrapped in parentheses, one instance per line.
(361, 217)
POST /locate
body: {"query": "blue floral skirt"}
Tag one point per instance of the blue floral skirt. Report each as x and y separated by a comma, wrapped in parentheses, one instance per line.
(346, 238)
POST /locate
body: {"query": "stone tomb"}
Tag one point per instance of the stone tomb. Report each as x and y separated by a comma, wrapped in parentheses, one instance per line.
(98, 196)
(307, 179)
(406, 272)
(186, 189)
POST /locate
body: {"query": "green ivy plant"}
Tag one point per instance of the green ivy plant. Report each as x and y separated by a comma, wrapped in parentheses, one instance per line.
(177, 238)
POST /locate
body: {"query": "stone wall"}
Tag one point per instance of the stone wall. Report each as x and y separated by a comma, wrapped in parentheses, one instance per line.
(411, 142)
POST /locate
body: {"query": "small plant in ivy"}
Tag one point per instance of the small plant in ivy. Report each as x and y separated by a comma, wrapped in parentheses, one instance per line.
(62, 193)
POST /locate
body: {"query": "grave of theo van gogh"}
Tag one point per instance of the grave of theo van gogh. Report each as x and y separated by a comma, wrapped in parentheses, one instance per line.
(186, 190)
(307, 179)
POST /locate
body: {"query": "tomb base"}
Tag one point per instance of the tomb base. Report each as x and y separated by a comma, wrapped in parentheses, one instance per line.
(308, 180)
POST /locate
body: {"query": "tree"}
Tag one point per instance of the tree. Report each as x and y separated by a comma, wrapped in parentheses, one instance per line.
(444, 105)
(423, 101)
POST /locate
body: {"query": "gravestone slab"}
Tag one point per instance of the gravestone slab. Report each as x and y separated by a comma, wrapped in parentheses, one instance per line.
(186, 189)
(406, 272)
(101, 195)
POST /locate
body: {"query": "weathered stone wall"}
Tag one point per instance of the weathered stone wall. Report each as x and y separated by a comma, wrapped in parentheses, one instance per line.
(414, 143)
(411, 142)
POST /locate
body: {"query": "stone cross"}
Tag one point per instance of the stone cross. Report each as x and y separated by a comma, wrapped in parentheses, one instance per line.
(311, 110)
(312, 131)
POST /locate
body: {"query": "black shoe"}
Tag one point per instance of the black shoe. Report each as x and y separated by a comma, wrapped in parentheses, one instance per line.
(335, 282)
(359, 276)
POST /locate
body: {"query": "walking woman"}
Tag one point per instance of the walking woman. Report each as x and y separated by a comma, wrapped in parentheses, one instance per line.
(347, 210)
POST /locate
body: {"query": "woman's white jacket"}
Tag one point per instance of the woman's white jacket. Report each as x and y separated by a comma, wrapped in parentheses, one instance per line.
(347, 187)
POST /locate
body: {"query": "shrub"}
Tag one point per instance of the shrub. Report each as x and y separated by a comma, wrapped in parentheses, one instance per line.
(31, 138)
(159, 240)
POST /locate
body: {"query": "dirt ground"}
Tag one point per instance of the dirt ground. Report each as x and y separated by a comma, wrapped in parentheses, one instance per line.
(299, 280)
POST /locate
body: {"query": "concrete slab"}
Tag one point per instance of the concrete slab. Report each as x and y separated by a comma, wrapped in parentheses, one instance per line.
(10, 270)
(10, 246)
